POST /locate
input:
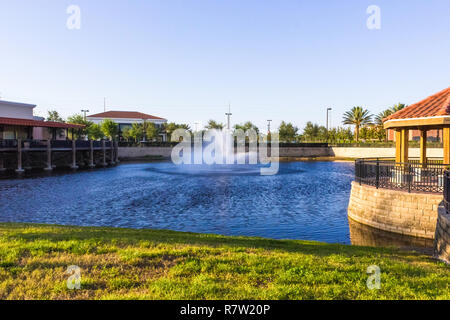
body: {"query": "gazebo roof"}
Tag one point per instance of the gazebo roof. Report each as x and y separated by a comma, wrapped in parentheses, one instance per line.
(432, 111)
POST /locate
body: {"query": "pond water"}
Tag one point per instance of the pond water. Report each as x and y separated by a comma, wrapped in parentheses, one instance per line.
(305, 200)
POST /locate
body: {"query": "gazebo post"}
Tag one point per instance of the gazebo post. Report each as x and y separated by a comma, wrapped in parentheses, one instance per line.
(404, 143)
(423, 147)
(446, 138)
(398, 145)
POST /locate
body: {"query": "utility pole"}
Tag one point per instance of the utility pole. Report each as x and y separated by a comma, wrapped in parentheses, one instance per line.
(229, 114)
(84, 111)
(104, 104)
(328, 110)
(144, 125)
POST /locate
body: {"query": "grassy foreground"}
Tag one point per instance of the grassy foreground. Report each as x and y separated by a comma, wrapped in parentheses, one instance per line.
(146, 264)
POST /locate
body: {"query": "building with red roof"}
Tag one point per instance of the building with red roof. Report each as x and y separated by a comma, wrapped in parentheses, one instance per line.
(17, 121)
(125, 119)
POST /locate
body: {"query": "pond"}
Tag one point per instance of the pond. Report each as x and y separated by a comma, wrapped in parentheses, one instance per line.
(305, 200)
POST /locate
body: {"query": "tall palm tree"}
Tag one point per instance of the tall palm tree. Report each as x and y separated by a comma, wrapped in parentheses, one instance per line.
(357, 117)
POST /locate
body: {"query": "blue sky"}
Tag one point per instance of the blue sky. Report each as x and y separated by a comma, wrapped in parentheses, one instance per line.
(186, 60)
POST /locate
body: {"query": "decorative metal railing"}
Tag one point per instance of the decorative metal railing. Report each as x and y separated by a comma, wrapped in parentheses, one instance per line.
(447, 191)
(82, 144)
(34, 144)
(411, 176)
(61, 144)
(5, 144)
(28, 144)
(97, 144)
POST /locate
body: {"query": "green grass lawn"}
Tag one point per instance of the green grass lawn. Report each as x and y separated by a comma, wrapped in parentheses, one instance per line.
(147, 264)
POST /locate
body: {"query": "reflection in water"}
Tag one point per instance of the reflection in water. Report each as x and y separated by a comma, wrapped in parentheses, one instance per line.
(363, 235)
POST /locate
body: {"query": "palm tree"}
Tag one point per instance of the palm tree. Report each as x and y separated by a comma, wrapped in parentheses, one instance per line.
(357, 117)
(379, 119)
(214, 125)
(397, 107)
(247, 126)
(384, 114)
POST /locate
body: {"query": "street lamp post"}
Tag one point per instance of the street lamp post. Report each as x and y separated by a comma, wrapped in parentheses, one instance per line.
(229, 114)
(328, 110)
(144, 124)
(85, 111)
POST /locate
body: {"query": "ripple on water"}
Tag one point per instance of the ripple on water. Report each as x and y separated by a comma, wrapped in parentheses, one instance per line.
(306, 200)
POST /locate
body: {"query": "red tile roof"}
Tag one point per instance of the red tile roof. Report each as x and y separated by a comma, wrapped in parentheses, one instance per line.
(124, 115)
(37, 123)
(433, 106)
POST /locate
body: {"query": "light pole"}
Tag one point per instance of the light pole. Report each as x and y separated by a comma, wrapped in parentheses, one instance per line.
(229, 114)
(269, 135)
(144, 125)
(85, 111)
(268, 126)
(328, 110)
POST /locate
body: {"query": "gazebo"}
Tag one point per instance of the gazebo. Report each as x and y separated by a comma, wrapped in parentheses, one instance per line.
(404, 195)
(428, 114)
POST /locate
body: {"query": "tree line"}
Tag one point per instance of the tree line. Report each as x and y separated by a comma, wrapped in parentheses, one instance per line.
(366, 127)
(110, 129)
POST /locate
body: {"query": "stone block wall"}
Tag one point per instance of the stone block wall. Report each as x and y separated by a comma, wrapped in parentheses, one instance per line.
(138, 152)
(361, 152)
(165, 152)
(442, 241)
(412, 214)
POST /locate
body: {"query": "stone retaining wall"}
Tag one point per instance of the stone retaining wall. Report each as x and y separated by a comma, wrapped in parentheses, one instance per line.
(142, 152)
(360, 152)
(338, 152)
(412, 214)
(165, 152)
(442, 241)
